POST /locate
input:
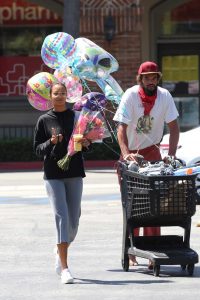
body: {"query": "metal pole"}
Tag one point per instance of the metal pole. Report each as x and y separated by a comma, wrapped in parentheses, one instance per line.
(71, 17)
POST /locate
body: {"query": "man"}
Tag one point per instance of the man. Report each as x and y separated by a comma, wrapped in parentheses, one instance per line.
(142, 113)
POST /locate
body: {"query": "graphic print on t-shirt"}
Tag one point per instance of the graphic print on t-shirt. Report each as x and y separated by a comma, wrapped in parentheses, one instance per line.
(144, 124)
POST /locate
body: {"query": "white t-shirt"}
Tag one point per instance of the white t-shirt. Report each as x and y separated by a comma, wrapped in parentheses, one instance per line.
(144, 131)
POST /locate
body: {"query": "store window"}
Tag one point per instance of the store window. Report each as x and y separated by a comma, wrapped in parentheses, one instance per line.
(188, 108)
(181, 20)
(179, 58)
(181, 74)
(23, 27)
(181, 79)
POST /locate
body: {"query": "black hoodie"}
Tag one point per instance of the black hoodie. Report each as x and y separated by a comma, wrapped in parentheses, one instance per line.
(63, 122)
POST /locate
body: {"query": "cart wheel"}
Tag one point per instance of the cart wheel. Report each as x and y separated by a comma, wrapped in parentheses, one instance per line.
(156, 270)
(183, 267)
(125, 263)
(190, 269)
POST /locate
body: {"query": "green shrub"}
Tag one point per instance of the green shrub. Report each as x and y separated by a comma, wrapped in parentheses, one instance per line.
(21, 149)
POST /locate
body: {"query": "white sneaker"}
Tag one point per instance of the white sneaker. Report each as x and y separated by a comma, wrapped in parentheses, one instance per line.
(66, 276)
(58, 268)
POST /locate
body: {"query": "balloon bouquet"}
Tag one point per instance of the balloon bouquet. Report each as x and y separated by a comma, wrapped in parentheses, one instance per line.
(75, 61)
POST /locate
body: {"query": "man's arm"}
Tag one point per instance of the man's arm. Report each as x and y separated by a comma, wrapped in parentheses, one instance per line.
(173, 137)
(123, 142)
(122, 139)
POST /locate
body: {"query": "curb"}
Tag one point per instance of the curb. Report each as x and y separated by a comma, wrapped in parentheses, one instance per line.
(37, 166)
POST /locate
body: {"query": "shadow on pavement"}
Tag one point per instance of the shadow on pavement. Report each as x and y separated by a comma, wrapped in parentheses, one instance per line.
(119, 282)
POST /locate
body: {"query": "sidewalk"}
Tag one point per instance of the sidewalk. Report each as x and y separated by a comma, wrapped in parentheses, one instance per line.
(27, 241)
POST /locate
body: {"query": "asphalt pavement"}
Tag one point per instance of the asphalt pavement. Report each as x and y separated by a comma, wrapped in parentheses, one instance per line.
(27, 235)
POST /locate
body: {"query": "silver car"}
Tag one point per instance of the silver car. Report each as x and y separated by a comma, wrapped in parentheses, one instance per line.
(188, 150)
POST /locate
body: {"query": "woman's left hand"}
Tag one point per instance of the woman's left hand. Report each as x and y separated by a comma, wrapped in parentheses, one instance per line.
(85, 142)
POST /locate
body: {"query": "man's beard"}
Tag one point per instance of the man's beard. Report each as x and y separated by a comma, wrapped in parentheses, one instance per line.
(149, 92)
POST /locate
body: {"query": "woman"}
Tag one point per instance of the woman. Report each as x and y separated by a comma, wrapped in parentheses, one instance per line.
(64, 188)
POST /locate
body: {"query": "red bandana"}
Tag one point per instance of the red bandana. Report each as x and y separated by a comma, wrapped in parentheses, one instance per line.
(147, 101)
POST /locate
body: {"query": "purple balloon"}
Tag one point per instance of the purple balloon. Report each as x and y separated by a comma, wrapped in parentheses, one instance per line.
(93, 101)
(78, 105)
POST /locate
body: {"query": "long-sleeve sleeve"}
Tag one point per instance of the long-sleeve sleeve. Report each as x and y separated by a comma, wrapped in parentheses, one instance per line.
(42, 143)
(50, 153)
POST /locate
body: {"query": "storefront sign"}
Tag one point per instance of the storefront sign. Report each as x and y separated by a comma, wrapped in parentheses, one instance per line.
(17, 71)
(20, 12)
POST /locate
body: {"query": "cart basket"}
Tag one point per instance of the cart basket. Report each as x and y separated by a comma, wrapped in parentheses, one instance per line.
(164, 197)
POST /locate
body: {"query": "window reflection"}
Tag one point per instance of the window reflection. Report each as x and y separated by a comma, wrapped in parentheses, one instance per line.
(181, 74)
(188, 108)
(15, 41)
(182, 20)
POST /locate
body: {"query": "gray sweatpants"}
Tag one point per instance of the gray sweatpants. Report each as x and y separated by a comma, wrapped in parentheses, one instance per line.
(65, 197)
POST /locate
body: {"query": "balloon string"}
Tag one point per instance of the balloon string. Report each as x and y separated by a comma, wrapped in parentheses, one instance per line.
(111, 148)
(102, 111)
(110, 128)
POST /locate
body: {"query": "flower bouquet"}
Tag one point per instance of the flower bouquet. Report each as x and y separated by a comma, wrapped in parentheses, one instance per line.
(90, 124)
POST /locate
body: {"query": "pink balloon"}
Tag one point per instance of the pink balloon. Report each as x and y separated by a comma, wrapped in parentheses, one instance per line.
(72, 83)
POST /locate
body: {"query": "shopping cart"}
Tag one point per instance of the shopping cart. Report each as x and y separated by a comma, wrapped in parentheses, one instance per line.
(157, 201)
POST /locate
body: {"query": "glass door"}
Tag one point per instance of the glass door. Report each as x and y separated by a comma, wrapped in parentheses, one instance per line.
(180, 68)
(181, 77)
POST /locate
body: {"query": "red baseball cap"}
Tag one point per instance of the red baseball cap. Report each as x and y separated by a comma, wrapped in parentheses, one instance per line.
(148, 67)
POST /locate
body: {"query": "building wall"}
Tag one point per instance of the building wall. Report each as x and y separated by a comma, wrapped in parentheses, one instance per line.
(136, 39)
(125, 47)
(126, 43)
